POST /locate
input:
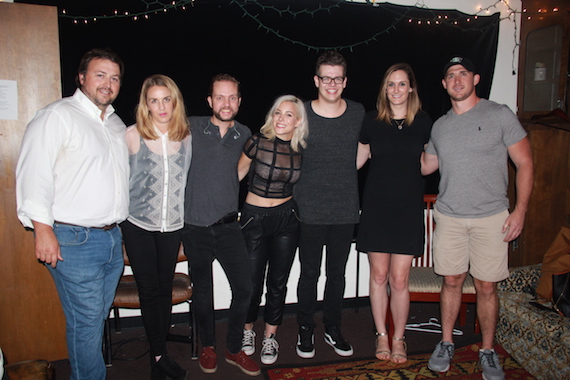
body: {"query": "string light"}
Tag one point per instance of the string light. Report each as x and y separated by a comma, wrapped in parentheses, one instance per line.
(401, 13)
(150, 6)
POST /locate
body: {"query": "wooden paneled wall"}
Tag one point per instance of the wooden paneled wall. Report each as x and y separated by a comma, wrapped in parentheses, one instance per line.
(549, 206)
(32, 325)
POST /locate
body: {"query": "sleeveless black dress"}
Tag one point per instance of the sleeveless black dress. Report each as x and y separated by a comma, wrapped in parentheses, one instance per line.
(392, 219)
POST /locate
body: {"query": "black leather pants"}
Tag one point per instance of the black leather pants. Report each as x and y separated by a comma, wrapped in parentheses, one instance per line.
(271, 236)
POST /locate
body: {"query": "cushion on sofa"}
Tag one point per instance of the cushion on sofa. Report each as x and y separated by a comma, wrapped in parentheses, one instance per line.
(521, 279)
(538, 339)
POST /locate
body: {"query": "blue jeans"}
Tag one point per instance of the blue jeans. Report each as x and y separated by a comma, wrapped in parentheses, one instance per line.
(86, 281)
(337, 239)
(225, 243)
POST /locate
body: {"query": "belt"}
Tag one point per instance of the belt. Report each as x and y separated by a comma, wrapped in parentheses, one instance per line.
(229, 218)
(104, 228)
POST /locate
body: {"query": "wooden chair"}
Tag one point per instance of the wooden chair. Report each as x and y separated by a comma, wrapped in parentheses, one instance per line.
(424, 284)
(127, 297)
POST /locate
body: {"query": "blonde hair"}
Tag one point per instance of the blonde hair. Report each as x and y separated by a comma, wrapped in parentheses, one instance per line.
(178, 128)
(299, 139)
(383, 104)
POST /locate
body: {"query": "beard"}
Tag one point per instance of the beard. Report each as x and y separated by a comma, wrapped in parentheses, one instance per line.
(218, 116)
(103, 102)
(100, 100)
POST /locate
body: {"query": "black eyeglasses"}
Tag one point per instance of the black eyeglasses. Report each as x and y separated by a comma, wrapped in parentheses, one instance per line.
(327, 80)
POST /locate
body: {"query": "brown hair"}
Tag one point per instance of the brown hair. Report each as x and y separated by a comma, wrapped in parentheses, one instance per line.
(98, 54)
(383, 104)
(332, 58)
(221, 78)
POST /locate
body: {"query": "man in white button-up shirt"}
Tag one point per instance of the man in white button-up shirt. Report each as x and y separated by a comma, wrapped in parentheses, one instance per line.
(72, 189)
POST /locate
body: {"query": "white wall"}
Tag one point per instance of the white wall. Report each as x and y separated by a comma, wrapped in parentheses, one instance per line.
(503, 90)
(222, 294)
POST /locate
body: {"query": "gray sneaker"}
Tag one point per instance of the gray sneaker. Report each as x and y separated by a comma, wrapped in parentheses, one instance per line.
(489, 361)
(441, 357)
(248, 342)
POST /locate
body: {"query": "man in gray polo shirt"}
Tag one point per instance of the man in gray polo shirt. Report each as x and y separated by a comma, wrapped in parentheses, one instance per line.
(211, 230)
(470, 145)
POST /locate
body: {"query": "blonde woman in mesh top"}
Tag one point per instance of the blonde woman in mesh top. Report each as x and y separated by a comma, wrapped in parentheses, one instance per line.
(269, 220)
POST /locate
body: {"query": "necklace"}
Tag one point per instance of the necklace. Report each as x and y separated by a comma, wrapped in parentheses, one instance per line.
(399, 123)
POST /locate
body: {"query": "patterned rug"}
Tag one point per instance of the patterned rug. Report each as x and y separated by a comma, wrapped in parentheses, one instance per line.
(464, 366)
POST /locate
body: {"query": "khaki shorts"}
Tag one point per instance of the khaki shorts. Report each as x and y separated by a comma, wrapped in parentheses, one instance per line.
(475, 245)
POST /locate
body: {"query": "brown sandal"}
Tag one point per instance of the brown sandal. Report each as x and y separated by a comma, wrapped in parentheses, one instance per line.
(403, 356)
(382, 354)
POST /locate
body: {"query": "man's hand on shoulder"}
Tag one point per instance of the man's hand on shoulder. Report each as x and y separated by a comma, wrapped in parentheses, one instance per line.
(46, 244)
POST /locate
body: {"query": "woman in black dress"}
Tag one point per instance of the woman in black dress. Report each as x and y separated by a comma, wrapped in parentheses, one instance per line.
(391, 226)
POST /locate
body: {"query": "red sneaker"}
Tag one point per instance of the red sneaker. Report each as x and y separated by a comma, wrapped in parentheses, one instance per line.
(244, 362)
(208, 360)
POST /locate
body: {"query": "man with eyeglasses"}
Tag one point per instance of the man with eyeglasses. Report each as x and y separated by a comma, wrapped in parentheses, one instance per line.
(327, 196)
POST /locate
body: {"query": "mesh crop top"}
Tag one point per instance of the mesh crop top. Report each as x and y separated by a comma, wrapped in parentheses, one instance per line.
(275, 167)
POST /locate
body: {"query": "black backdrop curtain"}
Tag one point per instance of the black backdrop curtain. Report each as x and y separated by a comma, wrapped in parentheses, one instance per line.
(215, 36)
(272, 46)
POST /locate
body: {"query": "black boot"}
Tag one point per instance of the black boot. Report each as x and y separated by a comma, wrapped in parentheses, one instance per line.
(170, 368)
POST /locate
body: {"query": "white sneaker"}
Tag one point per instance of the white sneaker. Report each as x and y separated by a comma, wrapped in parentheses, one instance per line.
(248, 342)
(269, 350)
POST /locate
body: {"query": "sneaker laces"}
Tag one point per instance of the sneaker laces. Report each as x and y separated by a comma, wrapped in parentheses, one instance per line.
(269, 346)
(488, 359)
(248, 338)
(445, 349)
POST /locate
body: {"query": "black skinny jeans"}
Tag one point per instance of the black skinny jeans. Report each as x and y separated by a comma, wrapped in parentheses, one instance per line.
(153, 257)
(225, 243)
(271, 235)
(337, 239)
